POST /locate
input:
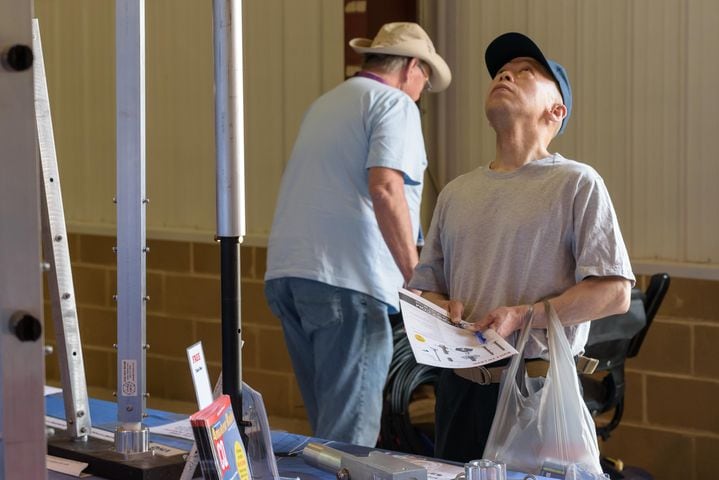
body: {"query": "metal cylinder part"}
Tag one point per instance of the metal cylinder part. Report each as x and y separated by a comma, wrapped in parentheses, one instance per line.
(485, 469)
(323, 457)
(132, 438)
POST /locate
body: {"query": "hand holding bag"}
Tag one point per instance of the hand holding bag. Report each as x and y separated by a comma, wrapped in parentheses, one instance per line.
(538, 424)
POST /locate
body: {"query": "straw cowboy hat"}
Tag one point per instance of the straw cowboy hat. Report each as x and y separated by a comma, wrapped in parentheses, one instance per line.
(407, 40)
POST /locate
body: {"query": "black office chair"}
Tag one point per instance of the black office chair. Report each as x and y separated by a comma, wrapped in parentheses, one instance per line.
(611, 341)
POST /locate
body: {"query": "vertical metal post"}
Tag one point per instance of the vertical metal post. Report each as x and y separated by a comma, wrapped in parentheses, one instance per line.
(131, 436)
(57, 254)
(22, 369)
(229, 141)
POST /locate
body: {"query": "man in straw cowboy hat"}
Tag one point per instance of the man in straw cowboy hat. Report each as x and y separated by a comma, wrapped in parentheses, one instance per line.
(526, 226)
(345, 231)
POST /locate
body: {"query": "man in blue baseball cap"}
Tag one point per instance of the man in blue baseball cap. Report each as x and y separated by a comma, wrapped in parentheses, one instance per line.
(514, 46)
(525, 226)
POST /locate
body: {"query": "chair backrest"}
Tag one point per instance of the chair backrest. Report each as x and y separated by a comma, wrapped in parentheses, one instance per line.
(610, 338)
(611, 341)
(614, 339)
(653, 298)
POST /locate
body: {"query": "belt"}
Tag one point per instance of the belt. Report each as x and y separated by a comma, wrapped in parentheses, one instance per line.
(486, 376)
(535, 368)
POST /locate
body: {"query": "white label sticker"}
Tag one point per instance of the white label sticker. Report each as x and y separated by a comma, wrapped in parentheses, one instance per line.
(165, 451)
(129, 378)
(200, 377)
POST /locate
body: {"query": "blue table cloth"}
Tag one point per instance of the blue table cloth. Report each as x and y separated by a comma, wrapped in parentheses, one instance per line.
(287, 446)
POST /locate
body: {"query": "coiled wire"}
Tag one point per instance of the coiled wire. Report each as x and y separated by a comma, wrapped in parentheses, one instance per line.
(405, 376)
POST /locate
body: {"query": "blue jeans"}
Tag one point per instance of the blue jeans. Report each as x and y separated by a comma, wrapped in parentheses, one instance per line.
(340, 343)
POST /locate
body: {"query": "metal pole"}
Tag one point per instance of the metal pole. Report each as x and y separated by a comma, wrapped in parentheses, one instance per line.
(131, 436)
(57, 254)
(229, 142)
(22, 371)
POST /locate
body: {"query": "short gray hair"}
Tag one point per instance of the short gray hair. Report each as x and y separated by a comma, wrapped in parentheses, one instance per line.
(383, 63)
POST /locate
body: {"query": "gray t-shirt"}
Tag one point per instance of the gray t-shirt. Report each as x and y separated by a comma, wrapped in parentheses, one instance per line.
(512, 238)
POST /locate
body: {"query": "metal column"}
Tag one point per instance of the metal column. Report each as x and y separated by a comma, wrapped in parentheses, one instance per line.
(57, 254)
(229, 142)
(131, 436)
(22, 369)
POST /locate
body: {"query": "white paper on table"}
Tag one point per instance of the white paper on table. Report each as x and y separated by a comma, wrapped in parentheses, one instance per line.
(437, 342)
(98, 433)
(66, 466)
(435, 470)
(165, 450)
(179, 429)
(51, 390)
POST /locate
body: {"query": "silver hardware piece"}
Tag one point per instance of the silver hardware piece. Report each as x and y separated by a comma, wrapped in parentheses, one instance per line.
(485, 469)
(132, 441)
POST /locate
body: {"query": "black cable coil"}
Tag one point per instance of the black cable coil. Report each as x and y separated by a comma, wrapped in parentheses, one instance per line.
(405, 376)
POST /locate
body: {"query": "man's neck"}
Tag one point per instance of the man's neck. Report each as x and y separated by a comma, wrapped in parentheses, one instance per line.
(516, 147)
(391, 79)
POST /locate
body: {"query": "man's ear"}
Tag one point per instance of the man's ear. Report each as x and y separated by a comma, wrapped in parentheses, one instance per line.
(406, 69)
(558, 111)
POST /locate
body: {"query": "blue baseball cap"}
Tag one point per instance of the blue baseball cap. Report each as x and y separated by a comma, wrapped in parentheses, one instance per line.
(509, 46)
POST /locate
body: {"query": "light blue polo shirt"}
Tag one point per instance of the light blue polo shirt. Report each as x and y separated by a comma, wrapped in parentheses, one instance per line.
(324, 226)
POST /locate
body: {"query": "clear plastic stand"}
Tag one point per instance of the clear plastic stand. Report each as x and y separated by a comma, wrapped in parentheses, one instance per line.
(258, 437)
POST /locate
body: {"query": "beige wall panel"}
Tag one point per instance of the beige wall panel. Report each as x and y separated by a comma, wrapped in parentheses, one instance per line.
(78, 42)
(460, 140)
(332, 45)
(264, 105)
(656, 84)
(180, 116)
(600, 122)
(293, 52)
(302, 45)
(702, 159)
(297, 55)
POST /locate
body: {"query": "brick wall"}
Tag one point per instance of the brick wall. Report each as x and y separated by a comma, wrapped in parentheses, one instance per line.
(183, 284)
(671, 421)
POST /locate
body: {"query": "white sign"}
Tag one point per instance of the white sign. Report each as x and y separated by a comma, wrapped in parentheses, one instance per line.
(200, 377)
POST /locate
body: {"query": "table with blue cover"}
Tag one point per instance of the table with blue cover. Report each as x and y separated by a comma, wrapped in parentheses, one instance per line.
(287, 446)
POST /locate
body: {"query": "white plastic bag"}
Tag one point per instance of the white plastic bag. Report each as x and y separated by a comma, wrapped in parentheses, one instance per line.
(543, 427)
